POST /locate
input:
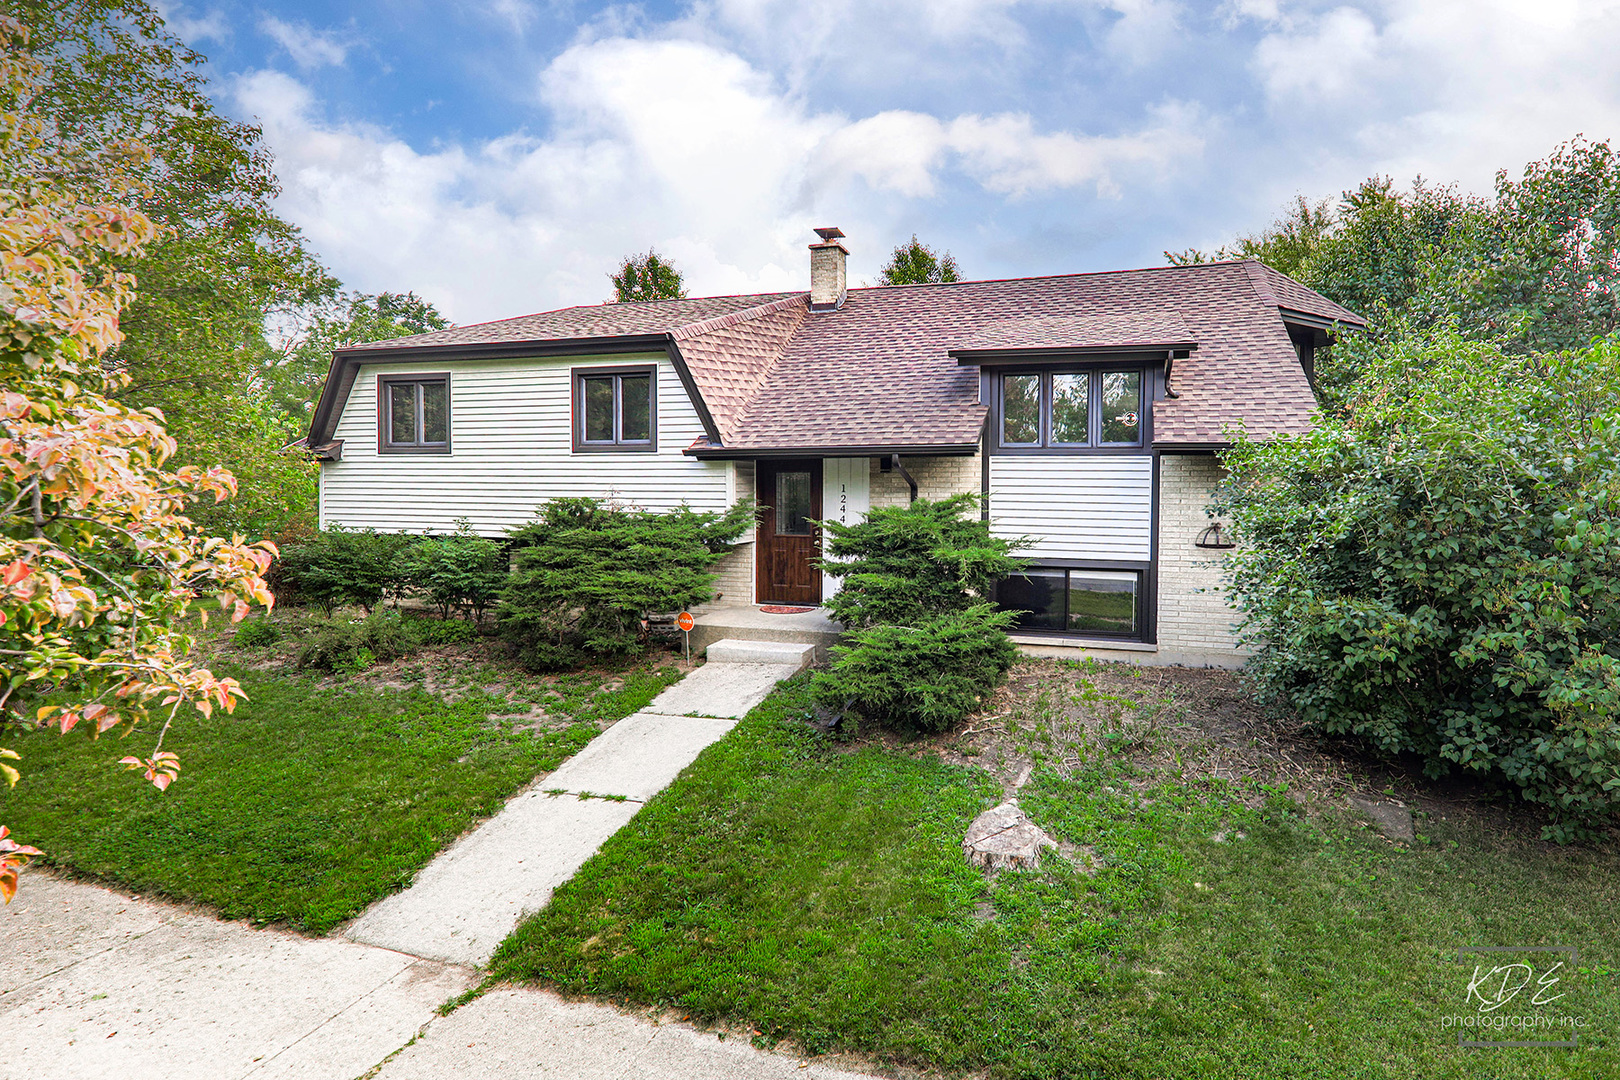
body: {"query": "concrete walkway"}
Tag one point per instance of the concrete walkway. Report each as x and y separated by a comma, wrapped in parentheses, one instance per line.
(467, 900)
(96, 984)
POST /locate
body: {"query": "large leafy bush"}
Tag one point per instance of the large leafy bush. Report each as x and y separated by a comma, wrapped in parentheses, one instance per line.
(926, 644)
(459, 571)
(1438, 571)
(587, 575)
(340, 567)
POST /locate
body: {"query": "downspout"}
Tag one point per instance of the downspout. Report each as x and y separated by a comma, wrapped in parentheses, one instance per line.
(894, 459)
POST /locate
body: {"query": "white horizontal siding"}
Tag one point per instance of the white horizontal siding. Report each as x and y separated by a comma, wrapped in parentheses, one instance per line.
(511, 450)
(1075, 506)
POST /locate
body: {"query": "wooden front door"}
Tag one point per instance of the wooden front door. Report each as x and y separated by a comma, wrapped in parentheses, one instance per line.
(789, 496)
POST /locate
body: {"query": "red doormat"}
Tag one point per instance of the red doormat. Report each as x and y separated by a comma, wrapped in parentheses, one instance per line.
(779, 609)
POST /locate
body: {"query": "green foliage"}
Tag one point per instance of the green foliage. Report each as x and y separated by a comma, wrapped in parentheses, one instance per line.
(913, 263)
(926, 644)
(462, 571)
(257, 633)
(904, 563)
(294, 373)
(928, 676)
(344, 566)
(1438, 572)
(588, 574)
(349, 645)
(435, 632)
(647, 276)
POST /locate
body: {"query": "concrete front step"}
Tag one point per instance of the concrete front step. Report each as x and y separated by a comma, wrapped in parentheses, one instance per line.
(749, 623)
(741, 651)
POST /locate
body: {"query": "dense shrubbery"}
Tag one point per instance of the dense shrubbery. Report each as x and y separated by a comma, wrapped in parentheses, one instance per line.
(354, 645)
(926, 645)
(255, 633)
(588, 574)
(1439, 571)
(462, 571)
(340, 567)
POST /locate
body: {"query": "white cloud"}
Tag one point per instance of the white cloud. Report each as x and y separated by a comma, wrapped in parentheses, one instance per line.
(669, 143)
(308, 47)
(1327, 57)
(211, 25)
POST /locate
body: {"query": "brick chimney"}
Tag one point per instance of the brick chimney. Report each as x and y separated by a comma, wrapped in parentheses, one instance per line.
(829, 278)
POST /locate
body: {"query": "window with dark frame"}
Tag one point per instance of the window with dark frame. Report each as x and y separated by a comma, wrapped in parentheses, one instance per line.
(1087, 602)
(1071, 409)
(414, 413)
(614, 409)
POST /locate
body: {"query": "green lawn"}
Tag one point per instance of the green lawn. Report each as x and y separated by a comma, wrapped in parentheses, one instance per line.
(311, 801)
(820, 894)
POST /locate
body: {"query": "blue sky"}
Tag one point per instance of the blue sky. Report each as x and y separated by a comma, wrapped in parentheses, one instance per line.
(499, 157)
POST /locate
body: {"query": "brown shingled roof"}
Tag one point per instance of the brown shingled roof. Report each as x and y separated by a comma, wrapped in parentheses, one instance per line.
(880, 372)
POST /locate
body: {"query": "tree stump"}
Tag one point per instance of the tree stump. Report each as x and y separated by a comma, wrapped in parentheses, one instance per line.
(1002, 838)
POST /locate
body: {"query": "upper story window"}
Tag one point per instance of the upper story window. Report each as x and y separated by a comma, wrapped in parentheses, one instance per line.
(616, 408)
(1071, 409)
(413, 414)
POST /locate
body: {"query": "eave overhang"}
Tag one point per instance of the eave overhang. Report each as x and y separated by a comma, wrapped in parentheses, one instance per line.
(749, 453)
(1071, 353)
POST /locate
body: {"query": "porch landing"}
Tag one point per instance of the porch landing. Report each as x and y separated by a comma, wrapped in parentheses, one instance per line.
(746, 622)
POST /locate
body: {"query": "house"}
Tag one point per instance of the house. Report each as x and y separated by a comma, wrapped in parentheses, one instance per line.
(1086, 407)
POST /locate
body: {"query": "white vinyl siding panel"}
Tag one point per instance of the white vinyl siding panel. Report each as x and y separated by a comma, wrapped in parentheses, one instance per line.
(512, 449)
(1075, 506)
(846, 497)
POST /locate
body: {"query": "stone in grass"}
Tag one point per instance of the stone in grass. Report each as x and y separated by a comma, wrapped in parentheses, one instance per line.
(1002, 838)
(1391, 818)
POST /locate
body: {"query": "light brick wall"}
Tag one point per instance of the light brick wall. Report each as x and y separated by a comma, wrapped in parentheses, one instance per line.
(1193, 613)
(937, 478)
(736, 568)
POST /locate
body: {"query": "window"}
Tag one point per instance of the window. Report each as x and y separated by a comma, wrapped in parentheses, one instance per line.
(413, 414)
(615, 409)
(1093, 603)
(793, 503)
(1071, 409)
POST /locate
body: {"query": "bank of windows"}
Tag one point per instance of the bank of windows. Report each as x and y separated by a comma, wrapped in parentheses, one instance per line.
(414, 413)
(1085, 603)
(615, 409)
(1071, 410)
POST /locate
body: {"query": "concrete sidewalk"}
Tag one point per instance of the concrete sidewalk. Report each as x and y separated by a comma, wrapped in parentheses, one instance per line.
(465, 902)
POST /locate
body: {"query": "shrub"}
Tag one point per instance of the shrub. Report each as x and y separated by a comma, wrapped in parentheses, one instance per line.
(926, 644)
(344, 566)
(926, 677)
(588, 574)
(904, 563)
(354, 645)
(460, 571)
(1438, 572)
(257, 632)
(442, 631)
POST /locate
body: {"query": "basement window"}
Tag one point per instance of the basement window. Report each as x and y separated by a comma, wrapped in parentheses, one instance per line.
(615, 409)
(413, 414)
(1089, 603)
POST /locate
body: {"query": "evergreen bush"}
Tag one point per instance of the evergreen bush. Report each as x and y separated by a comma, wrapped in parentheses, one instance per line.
(926, 677)
(588, 574)
(348, 645)
(926, 643)
(905, 563)
(1438, 571)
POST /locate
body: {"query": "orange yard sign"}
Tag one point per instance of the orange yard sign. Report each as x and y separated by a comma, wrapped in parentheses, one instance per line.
(685, 621)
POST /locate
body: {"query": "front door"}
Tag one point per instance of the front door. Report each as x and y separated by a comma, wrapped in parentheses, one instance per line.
(789, 496)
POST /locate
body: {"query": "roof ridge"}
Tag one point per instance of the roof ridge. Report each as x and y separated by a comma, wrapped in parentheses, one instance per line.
(1256, 271)
(720, 322)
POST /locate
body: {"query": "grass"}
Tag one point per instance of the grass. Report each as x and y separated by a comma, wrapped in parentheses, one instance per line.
(311, 801)
(820, 895)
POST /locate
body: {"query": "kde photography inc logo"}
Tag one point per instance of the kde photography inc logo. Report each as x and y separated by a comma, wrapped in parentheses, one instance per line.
(1516, 995)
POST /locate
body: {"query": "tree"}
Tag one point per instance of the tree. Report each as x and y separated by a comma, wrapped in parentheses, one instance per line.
(294, 373)
(221, 261)
(647, 276)
(1436, 570)
(914, 264)
(98, 562)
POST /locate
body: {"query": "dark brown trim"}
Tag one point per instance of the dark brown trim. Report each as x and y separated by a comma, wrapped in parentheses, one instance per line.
(576, 409)
(1098, 354)
(1191, 448)
(384, 446)
(749, 453)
